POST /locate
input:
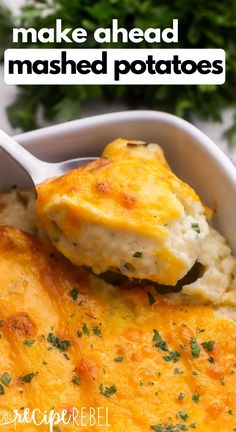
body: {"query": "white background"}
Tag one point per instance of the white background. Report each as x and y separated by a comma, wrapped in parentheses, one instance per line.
(8, 93)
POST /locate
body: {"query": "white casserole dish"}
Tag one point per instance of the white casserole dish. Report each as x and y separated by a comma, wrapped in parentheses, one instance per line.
(191, 154)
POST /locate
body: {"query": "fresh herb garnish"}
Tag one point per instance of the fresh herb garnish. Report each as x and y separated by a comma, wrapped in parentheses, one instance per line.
(79, 334)
(2, 391)
(29, 342)
(183, 415)
(28, 377)
(195, 398)
(169, 427)
(138, 254)
(97, 331)
(173, 356)
(76, 380)
(60, 344)
(209, 345)
(222, 381)
(196, 227)
(107, 391)
(159, 342)
(6, 378)
(178, 371)
(181, 395)
(85, 329)
(211, 360)
(74, 294)
(118, 359)
(151, 298)
(195, 349)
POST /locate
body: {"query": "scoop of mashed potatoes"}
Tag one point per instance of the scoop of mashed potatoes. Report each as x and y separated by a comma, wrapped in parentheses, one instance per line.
(126, 212)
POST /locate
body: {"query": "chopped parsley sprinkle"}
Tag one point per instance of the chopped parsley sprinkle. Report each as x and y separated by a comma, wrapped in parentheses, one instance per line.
(173, 356)
(222, 381)
(195, 373)
(230, 411)
(118, 359)
(169, 427)
(76, 380)
(79, 334)
(107, 391)
(178, 371)
(56, 429)
(97, 331)
(181, 395)
(195, 349)
(137, 254)
(193, 425)
(208, 346)
(183, 415)
(85, 329)
(159, 342)
(151, 299)
(60, 344)
(74, 294)
(28, 378)
(2, 391)
(211, 360)
(29, 342)
(195, 398)
(196, 227)
(6, 378)
(44, 363)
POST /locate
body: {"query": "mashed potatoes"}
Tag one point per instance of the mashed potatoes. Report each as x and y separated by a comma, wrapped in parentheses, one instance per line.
(135, 253)
(126, 212)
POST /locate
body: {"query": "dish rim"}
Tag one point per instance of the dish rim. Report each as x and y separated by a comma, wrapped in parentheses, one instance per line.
(203, 140)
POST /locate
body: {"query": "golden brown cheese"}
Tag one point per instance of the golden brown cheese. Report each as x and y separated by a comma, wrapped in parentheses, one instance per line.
(129, 194)
(151, 363)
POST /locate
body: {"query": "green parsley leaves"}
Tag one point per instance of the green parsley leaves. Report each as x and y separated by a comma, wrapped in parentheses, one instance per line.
(159, 342)
(173, 356)
(29, 342)
(74, 294)
(195, 349)
(107, 391)
(208, 346)
(28, 377)
(6, 378)
(118, 359)
(60, 344)
(137, 254)
(196, 227)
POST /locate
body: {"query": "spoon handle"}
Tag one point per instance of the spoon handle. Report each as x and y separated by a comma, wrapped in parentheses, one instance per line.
(25, 159)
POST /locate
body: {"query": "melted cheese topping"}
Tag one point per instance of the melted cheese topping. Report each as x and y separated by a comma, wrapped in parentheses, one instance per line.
(132, 194)
(129, 196)
(130, 351)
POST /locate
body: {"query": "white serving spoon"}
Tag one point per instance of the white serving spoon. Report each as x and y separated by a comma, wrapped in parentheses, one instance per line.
(37, 169)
